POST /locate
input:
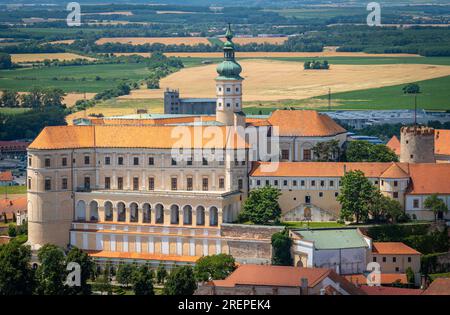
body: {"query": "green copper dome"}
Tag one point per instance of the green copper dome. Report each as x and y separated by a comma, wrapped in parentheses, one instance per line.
(229, 69)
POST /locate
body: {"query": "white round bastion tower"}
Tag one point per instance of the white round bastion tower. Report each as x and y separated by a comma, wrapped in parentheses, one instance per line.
(417, 145)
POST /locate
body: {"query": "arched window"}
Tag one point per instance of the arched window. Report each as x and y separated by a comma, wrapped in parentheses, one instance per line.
(121, 212)
(108, 211)
(146, 213)
(187, 215)
(159, 212)
(213, 216)
(93, 207)
(134, 212)
(80, 213)
(174, 214)
(200, 215)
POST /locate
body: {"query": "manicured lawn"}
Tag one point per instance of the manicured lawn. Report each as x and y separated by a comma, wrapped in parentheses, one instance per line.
(433, 276)
(312, 225)
(12, 190)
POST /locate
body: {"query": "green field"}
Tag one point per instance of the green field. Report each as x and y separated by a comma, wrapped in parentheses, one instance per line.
(13, 190)
(72, 78)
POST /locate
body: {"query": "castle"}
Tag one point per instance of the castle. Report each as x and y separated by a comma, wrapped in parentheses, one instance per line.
(168, 188)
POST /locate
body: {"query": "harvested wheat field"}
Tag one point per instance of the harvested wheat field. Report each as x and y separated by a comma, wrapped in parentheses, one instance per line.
(71, 98)
(269, 80)
(258, 40)
(153, 40)
(262, 54)
(50, 56)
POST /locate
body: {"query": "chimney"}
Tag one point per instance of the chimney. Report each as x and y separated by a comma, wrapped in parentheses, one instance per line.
(303, 286)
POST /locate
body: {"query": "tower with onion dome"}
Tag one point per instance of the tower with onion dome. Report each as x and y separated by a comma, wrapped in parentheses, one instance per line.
(229, 86)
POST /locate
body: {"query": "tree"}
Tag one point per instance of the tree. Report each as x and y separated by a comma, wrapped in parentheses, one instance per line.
(383, 208)
(12, 232)
(125, 274)
(281, 249)
(355, 196)
(16, 275)
(9, 99)
(214, 267)
(53, 97)
(32, 99)
(103, 284)
(161, 274)
(86, 267)
(50, 275)
(435, 204)
(181, 281)
(327, 151)
(411, 88)
(410, 275)
(5, 61)
(143, 281)
(261, 206)
(363, 151)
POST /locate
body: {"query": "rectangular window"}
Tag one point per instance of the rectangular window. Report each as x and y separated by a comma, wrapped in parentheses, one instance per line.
(135, 183)
(395, 183)
(64, 183)
(189, 183)
(321, 194)
(174, 162)
(322, 183)
(48, 184)
(307, 155)
(205, 185)
(285, 154)
(374, 259)
(120, 160)
(107, 160)
(302, 183)
(64, 161)
(294, 183)
(275, 182)
(331, 183)
(135, 161)
(151, 183)
(87, 183)
(174, 183)
(47, 162)
(29, 161)
(285, 182)
(107, 182)
(222, 183)
(151, 161)
(267, 182)
(395, 194)
(29, 183)
(336, 194)
(120, 183)
(409, 259)
(240, 184)
(189, 161)
(86, 160)
(204, 161)
(384, 259)
(313, 183)
(258, 182)
(416, 203)
(394, 259)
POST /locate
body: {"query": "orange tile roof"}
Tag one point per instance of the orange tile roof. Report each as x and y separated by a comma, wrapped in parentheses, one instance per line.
(389, 290)
(396, 170)
(393, 248)
(6, 176)
(143, 256)
(285, 276)
(442, 141)
(161, 137)
(429, 178)
(386, 278)
(304, 123)
(394, 145)
(11, 206)
(440, 286)
(320, 169)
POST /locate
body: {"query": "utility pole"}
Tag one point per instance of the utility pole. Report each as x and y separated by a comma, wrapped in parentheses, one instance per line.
(329, 99)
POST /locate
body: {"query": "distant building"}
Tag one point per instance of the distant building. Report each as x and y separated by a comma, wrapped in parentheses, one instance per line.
(17, 207)
(13, 149)
(280, 280)
(343, 250)
(309, 190)
(441, 145)
(173, 104)
(382, 290)
(6, 178)
(395, 257)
